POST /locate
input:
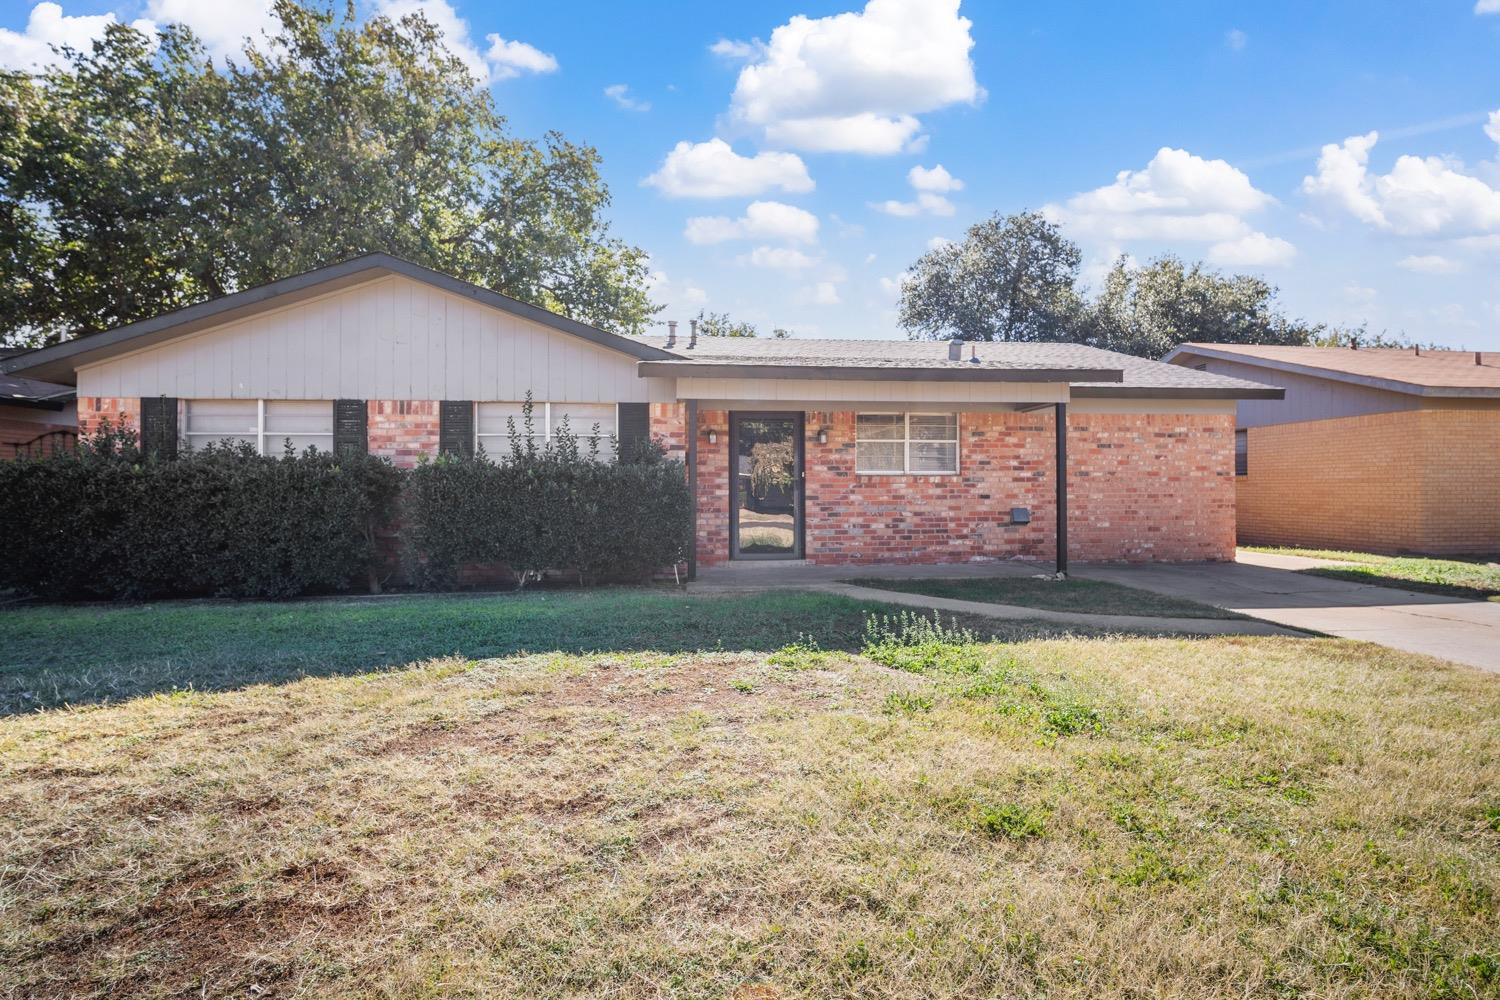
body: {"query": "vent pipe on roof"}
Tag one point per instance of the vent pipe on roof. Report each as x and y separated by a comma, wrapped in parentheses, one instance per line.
(693, 339)
(973, 354)
(1478, 358)
(955, 350)
(671, 333)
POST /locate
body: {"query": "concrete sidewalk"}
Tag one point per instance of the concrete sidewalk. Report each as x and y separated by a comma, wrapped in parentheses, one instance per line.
(1270, 588)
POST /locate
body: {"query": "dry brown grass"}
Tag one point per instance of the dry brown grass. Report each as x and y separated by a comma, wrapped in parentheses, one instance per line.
(1140, 818)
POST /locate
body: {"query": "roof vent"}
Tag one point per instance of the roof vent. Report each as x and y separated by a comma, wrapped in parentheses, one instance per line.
(955, 350)
(1478, 358)
(973, 354)
(671, 333)
(693, 338)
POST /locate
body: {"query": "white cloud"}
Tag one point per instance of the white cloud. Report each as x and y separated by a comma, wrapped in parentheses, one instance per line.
(935, 179)
(1178, 197)
(763, 220)
(1487, 7)
(665, 291)
(1253, 250)
(854, 82)
(931, 185)
(1421, 196)
(824, 293)
(1430, 263)
(778, 258)
(620, 94)
(892, 286)
(938, 242)
(732, 48)
(1236, 39)
(509, 59)
(48, 26)
(503, 60)
(222, 27)
(1492, 126)
(713, 170)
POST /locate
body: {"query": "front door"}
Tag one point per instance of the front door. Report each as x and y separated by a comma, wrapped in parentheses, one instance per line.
(765, 496)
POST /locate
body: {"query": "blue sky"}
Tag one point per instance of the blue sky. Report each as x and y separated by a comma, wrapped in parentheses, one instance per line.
(779, 161)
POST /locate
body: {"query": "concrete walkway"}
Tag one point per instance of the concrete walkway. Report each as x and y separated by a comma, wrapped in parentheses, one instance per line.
(1134, 623)
(1263, 586)
(1268, 587)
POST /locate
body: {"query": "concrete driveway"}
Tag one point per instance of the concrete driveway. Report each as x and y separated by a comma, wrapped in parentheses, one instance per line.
(1269, 587)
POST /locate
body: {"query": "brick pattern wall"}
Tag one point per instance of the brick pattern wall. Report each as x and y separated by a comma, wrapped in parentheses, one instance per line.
(1150, 486)
(94, 410)
(668, 422)
(403, 430)
(1141, 487)
(1412, 481)
(18, 431)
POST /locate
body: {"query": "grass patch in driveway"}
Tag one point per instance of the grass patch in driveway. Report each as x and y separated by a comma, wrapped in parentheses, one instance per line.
(1052, 817)
(1093, 597)
(1476, 579)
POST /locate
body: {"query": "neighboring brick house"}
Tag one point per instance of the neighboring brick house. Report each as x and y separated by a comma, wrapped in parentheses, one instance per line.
(1376, 450)
(830, 451)
(36, 418)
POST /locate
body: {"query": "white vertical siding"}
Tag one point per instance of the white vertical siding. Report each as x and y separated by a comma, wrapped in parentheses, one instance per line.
(392, 338)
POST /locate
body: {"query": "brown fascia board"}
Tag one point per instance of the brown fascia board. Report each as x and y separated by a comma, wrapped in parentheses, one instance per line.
(1175, 392)
(1334, 375)
(59, 362)
(874, 373)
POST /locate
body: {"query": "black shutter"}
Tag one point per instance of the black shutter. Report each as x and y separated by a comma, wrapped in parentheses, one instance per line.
(159, 426)
(635, 430)
(1241, 453)
(351, 433)
(456, 427)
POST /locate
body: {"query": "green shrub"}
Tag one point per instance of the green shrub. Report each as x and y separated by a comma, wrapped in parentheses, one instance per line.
(548, 507)
(908, 641)
(224, 521)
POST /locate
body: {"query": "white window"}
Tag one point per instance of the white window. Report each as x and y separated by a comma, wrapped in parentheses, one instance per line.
(900, 443)
(589, 422)
(264, 424)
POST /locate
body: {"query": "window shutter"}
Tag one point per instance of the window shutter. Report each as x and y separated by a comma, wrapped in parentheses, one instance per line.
(1241, 453)
(456, 427)
(635, 430)
(351, 435)
(159, 426)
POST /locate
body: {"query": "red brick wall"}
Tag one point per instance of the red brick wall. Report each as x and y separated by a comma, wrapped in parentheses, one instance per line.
(403, 430)
(93, 410)
(1414, 481)
(668, 424)
(1141, 487)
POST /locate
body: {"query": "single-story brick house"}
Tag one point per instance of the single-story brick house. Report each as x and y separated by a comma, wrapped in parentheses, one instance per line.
(832, 451)
(1376, 450)
(36, 418)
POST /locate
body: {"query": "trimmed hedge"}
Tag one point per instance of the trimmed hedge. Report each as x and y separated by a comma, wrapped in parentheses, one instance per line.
(224, 521)
(108, 522)
(549, 508)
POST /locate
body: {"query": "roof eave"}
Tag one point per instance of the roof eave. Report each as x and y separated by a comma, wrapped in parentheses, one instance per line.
(59, 362)
(873, 373)
(1352, 378)
(1176, 392)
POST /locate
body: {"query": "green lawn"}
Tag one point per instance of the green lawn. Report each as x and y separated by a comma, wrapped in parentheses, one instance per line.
(697, 810)
(66, 654)
(1476, 579)
(1073, 594)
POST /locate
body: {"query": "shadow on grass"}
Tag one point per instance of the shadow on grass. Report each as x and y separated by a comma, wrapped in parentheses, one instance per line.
(1375, 577)
(53, 655)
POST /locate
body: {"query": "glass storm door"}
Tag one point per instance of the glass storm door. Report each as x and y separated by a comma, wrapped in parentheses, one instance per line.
(765, 470)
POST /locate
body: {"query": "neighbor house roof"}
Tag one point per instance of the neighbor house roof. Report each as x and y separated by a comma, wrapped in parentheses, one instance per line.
(61, 360)
(18, 391)
(1418, 372)
(1090, 370)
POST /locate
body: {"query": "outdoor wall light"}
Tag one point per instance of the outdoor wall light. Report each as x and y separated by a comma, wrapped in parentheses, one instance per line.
(713, 436)
(822, 435)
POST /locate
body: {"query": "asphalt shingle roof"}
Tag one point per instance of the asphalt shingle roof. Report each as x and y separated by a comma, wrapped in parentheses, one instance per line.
(1425, 368)
(1139, 373)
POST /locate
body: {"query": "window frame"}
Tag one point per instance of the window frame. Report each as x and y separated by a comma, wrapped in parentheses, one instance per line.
(906, 442)
(545, 408)
(259, 433)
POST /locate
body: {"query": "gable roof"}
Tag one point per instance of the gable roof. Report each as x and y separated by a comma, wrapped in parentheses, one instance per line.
(1405, 370)
(28, 392)
(58, 362)
(1091, 371)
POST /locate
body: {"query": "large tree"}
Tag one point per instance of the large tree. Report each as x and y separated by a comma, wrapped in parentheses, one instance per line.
(139, 177)
(1148, 310)
(1009, 278)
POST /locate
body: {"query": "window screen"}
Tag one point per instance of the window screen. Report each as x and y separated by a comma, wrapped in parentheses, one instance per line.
(264, 424)
(916, 443)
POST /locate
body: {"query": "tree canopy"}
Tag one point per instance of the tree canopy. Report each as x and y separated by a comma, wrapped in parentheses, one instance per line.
(140, 177)
(1016, 278)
